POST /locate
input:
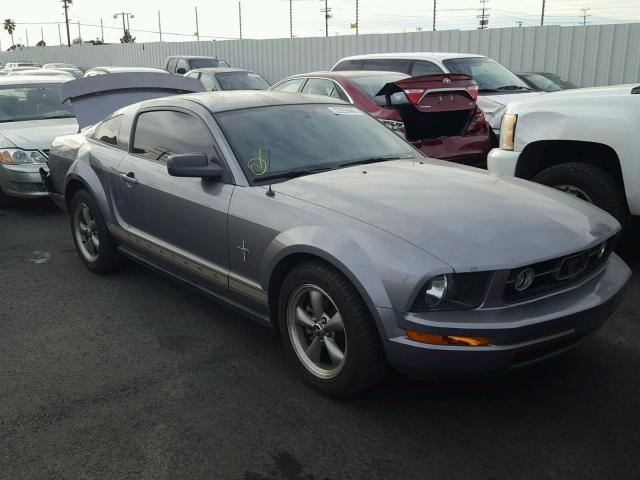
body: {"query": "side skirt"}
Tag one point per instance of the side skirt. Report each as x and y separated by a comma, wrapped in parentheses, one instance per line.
(238, 307)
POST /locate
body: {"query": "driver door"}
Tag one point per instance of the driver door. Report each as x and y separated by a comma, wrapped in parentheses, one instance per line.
(180, 221)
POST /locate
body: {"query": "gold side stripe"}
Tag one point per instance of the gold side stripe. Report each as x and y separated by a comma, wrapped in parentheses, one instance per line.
(188, 264)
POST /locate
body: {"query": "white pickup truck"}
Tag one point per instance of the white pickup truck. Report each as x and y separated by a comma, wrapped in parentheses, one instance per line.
(585, 142)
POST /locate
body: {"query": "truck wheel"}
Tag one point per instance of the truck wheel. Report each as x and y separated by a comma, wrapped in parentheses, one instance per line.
(94, 244)
(328, 332)
(589, 183)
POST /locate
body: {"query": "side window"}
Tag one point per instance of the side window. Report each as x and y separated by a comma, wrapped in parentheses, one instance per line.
(290, 85)
(349, 65)
(171, 65)
(387, 65)
(207, 81)
(182, 65)
(161, 133)
(320, 86)
(108, 131)
(422, 67)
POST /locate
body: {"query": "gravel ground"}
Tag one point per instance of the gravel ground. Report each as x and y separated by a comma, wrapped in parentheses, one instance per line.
(133, 376)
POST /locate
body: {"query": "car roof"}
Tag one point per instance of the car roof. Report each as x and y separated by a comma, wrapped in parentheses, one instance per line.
(129, 69)
(192, 56)
(220, 70)
(223, 101)
(33, 79)
(439, 56)
(349, 74)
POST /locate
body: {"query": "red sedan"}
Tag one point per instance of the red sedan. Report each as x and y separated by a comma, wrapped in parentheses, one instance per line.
(436, 113)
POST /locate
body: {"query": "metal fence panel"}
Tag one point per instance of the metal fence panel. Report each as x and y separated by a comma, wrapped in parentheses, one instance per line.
(588, 56)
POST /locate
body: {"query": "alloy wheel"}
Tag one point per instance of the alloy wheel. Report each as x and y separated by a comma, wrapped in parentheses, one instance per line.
(316, 331)
(86, 232)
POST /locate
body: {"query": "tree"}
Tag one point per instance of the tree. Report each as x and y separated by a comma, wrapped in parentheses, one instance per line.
(41, 43)
(77, 41)
(127, 38)
(15, 47)
(10, 27)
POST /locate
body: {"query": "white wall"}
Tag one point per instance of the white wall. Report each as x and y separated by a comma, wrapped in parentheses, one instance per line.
(587, 56)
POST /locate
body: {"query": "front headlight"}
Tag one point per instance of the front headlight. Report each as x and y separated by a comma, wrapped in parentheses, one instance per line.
(394, 126)
(17, 156)
(451, 291)
(508, 131)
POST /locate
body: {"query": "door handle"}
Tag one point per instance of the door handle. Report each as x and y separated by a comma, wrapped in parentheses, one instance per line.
(129, 177)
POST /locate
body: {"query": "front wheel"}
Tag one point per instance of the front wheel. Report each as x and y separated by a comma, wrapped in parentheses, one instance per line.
(589, 183)
(328, 331)
(94, 243)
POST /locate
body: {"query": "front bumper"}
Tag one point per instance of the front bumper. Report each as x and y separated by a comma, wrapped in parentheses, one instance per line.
(521, 334)
(503, 161)
(22, 181)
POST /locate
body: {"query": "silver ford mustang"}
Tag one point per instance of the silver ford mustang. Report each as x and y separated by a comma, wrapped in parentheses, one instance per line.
(309, 215)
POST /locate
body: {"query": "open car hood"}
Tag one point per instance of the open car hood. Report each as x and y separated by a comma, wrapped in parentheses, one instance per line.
(442, 92)
(95, 97)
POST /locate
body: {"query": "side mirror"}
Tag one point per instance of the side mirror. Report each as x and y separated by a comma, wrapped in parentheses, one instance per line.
(193, 165)
(181, 71)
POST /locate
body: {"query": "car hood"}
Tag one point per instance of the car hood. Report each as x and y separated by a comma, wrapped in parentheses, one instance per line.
(36, 134)
(493, 105)
(468, 218)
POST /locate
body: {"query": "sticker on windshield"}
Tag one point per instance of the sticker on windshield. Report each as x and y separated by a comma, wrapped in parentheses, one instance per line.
(345, 111)
(258, 165)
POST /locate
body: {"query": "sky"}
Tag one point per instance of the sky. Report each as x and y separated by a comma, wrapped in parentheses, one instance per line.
(219, 19)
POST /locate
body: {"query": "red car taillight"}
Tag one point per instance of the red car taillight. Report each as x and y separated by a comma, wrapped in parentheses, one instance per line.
(473, 91)
(414, 95)
(477, 122)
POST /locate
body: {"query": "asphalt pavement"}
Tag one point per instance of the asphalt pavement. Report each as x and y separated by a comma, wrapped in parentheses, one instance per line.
(133, 376)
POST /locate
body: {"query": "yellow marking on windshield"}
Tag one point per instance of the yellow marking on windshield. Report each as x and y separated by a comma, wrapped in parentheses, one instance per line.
(258, 165)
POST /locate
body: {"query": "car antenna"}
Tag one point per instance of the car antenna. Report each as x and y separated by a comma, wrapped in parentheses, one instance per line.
(270, 192)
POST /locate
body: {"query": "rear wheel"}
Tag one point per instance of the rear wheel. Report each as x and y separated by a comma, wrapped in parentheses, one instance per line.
(94, 244)
(589, 183)
(328, 332)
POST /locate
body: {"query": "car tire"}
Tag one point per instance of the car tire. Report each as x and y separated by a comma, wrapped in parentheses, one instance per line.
(95, 245)
(589, 183)
(363, 362)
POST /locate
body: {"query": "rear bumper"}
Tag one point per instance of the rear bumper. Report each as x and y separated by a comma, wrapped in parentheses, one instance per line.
(503, 161)
(520, 334)
(22, 181)
(466, 149)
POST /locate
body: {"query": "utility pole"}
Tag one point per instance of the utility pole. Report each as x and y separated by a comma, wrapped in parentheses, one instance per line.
(41, 35)
(357, 18)
(101, 31)
(79, 34)
(125, 21)
(542, 15)
(291, 18)
(240, 18)
(59, 35)
(484, 16)
(159, 25)
(197, 26)
(434, 15)
(519, 23)
(327, 15)
(584, 15)
(27, 33)
(65, 5)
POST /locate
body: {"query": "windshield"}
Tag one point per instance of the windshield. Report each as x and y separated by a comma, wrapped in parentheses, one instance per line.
(372, 85)
(280, 139)
(207, 63)
(32, 102)
(548, 82)
(491, 76)
(241, 81)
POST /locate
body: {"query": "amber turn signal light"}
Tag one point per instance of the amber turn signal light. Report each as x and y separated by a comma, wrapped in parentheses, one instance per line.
(447, 339)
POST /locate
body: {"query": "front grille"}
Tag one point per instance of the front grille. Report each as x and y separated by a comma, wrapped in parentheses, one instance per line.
(558, 273)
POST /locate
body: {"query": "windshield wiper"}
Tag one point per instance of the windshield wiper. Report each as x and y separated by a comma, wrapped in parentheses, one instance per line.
(514, 87)
(364, 161)
(488, 90)
(290, 174)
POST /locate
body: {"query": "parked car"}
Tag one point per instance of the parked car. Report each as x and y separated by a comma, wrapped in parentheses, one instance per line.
(7, 69)
(447, 126)
(227, 78)
(546, 81)
(181, 64)
(581, 141)
(102, 70)
(22, 63)
(31, 116)
(41, 72)
(497, 85)
(309, 215)
(65, 67)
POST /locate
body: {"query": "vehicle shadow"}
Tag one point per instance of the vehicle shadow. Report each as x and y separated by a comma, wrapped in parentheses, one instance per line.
(31, 207)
